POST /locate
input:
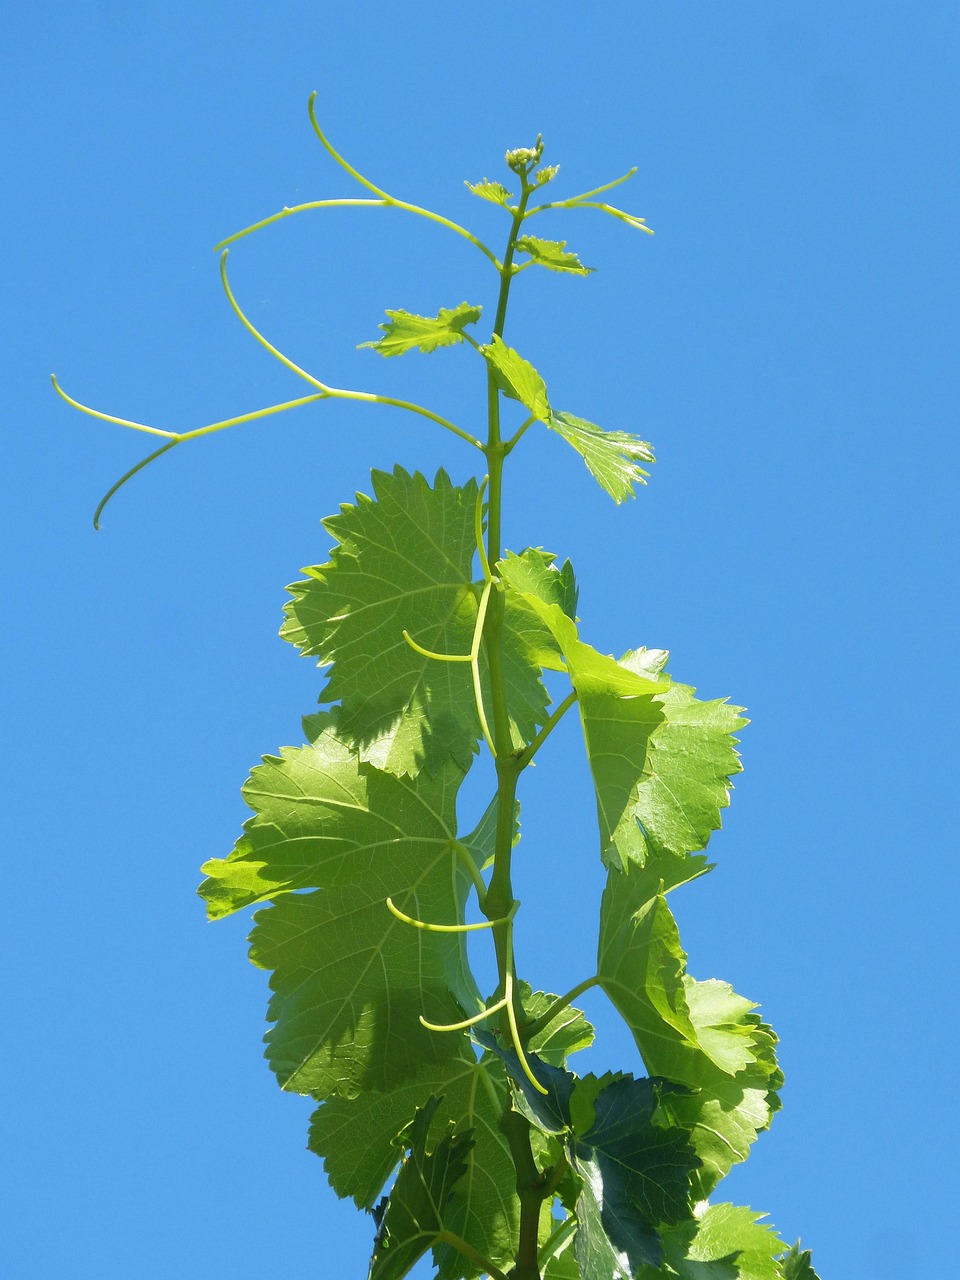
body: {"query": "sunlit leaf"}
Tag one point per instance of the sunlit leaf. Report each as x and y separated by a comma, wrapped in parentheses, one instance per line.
(405, 331)
(552, 254)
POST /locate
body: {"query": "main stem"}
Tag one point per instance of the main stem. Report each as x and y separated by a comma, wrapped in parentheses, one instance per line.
(499, 897)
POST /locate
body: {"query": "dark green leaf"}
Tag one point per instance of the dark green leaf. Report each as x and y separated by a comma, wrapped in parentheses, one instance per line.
(350, 980)
(796, 1264)
(700, 1034)
(408, 332)
(552, 254)
(416, 1210)
(636, 1175)
(612, 457)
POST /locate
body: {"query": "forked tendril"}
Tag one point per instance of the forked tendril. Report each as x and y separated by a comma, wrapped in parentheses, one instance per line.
(384, 201)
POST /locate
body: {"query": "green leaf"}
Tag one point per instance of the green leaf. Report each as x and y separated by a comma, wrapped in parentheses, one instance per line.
(619, 710)
(686, 779)
(492, 191)
(535, 572)
(552, 254)
(517, 378)
(636, 1179)
(728, 1236)
(350, 980)
(796, 1264)
(416, 1210)
(567, 1033)
(403, 562)
(408, 332)
(699, 1034)
(634, 1166)
(612, 457)
(354, 1137)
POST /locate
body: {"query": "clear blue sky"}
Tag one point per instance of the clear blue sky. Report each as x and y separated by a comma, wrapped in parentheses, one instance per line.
(787, 340)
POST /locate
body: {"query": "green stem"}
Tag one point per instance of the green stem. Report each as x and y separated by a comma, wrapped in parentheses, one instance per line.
(516, 1129)
(529, 752)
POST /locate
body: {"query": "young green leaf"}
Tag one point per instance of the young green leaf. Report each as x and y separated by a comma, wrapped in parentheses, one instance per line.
(699, 1034)
(612, 457)
(517, 378)
(350, 980)
(552, 254)
(495, 192)
(796, 1264)
(415, 1213)
(408, 332)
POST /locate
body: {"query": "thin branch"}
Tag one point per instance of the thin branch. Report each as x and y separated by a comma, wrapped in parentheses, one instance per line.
(109, 417)
(391, 200)
(337, 393)
(164, 448)
(287, 210)
(530, 751)
(573, 201)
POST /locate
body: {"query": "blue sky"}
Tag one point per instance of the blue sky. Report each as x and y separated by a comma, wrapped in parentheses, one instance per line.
(788, 342)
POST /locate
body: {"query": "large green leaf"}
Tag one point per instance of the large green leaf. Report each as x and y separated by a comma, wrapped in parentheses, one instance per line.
(415, 1213)
(552, 254)
(612, 457)
(350, 980)
(403, 562)
(700, 1034)
(408, 332)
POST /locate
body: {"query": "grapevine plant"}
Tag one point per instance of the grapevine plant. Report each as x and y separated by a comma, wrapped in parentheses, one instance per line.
(496, 1156)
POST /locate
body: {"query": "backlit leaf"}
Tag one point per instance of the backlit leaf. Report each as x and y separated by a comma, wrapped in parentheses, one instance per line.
(517, 378)
(405, 331)
(492, 191)
(552, 254)
(612, 457)
(354, 1137)
(404, 562)
(349, 980)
